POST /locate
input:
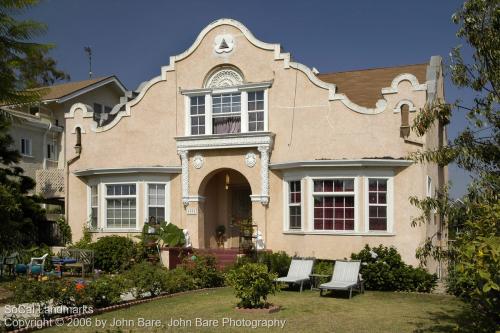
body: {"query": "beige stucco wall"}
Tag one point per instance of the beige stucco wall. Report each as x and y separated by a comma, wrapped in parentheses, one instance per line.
(316, 128)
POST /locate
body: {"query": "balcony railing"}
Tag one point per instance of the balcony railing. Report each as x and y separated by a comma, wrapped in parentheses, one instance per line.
(50, 183)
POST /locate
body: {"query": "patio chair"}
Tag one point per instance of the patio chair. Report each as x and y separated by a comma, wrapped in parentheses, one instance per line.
(11, 262)
(37, 264)
(298, 273)
(345, 277)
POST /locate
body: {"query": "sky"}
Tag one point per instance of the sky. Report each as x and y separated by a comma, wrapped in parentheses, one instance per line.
(134, 38)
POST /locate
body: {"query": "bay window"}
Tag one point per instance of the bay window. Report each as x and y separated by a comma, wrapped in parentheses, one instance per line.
(94, 206)
(226, 113)
(334, 204)
(121, 211)
(377, 204)
(294, 205)
(156, 202)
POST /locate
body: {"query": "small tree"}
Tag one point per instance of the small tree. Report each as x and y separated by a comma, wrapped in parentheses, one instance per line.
(475, 256)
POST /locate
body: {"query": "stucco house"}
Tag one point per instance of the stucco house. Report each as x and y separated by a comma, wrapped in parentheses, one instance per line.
(233, 128)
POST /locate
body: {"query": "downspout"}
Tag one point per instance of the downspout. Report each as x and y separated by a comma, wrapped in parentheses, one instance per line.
(45, 146)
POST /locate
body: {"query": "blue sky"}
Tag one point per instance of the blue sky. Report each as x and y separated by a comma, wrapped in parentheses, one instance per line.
(133, 39)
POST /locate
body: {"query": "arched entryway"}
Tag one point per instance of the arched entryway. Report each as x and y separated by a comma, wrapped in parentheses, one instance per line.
(226, 194)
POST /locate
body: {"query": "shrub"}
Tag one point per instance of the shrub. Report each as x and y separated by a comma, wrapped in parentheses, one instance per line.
(145, 277)
(107, 290)
(252, 284)
(27, 290)
(178, 280)
(383, 269)
(74, 293)
(276, 262)
(323, 267)
(113, 253)
(203, 270)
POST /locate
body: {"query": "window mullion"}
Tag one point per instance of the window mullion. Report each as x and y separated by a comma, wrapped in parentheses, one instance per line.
(208, 114)
(244, 112)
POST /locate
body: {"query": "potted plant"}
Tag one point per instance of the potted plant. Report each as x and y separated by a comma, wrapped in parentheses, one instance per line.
(173, 240)
(220, 232)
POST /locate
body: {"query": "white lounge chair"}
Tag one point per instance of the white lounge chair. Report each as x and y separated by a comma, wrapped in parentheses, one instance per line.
(345, 277)
(298, 273)
(37, 262)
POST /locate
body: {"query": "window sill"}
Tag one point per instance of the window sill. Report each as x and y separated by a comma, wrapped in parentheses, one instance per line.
(28, 156)
(108, 230)
(337, 233)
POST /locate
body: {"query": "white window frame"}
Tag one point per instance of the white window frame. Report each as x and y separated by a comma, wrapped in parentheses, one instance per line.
(208, 109)
(264, 110)
(355, 192)
(286, 204)
(389, 201)
(89, 204)
(27, 146)
(105, 196)
(166, 203)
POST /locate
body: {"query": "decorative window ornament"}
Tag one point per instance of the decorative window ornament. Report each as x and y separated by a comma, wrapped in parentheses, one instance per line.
(223, 78)
(223, 43)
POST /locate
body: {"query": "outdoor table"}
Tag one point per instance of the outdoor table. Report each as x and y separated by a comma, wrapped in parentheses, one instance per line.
(61, 262)
(315, 279)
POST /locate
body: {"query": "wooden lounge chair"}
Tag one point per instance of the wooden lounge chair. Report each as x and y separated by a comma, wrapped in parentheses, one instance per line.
(298, 273)
(345, 277)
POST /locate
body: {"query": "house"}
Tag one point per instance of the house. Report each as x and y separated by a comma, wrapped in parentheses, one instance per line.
(233, 128)
(39, 130)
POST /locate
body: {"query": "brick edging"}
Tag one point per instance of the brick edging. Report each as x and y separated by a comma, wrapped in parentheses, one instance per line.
(123, 305)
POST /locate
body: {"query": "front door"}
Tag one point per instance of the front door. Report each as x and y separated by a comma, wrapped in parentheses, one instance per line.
(241, 209)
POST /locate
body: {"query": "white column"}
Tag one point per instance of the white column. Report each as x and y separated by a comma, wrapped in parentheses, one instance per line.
(264, 174)
(183, 153)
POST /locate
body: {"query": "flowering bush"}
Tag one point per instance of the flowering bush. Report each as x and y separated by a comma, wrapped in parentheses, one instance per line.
(203, 271)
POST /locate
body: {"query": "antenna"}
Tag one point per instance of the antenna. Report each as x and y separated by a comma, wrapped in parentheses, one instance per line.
(88, 50)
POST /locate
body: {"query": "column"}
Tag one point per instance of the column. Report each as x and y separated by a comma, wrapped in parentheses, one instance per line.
(264, 174)
(183, 153)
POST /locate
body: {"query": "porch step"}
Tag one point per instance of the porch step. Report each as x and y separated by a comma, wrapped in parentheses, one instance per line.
(224, 257)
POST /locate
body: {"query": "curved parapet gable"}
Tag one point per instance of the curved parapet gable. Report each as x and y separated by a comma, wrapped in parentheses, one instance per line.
(87, 110)
(124, 109)
(381, 104)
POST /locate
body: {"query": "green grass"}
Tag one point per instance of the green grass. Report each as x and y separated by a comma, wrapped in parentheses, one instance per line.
(306, 312)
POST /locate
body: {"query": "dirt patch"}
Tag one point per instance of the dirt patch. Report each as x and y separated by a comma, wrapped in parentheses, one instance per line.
(270, 309)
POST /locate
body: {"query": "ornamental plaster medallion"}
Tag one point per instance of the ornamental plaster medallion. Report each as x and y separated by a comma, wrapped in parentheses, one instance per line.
(198, 161)
(250, 160)
(225, 78)
(223, 43)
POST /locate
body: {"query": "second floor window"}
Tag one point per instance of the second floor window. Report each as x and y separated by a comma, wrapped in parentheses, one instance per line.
(226, 113)
(255, 111)
(26, 147)
(197, 115)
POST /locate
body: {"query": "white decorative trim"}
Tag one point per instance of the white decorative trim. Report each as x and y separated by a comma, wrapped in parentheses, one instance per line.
(264, 173)
(87, 111)
(226, 77)
(340, 233)
(241, 88)
(379, 106)
(393, 89)
(223, 43)
(129, 170)
(194, 198)
(259, 198)
(82, 129)
(183, 153)
(402, 102)
(276, 48)
(219, 141)
(198, 161)
(342, 163)
(250, 159)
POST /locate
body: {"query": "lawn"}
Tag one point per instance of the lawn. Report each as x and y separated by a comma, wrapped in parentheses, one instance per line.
(305, 312)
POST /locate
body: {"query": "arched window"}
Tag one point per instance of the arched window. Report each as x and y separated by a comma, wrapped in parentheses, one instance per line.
(78, 145)
(224, 77)
(405, 120)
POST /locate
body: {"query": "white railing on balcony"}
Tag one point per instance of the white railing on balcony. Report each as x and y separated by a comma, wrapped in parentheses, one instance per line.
(50, 183)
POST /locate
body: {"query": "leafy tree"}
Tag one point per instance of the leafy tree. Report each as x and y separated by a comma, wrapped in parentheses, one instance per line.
(24, 64)
(475, 256)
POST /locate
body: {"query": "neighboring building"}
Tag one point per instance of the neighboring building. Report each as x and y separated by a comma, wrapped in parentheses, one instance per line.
(233, 128)
(39, 131)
